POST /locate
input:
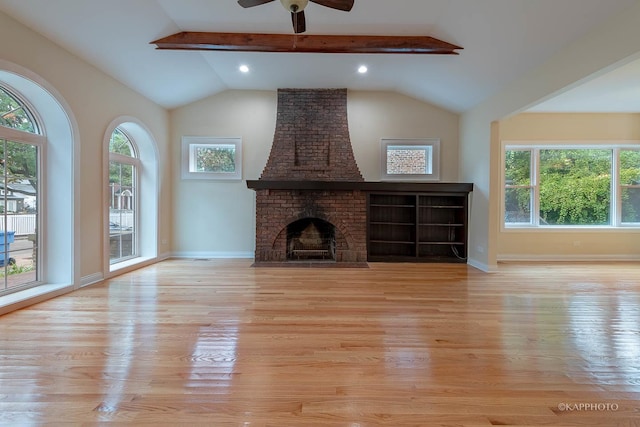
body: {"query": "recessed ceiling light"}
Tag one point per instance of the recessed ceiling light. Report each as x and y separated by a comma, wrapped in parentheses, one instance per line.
(363, 69)
(244, 69)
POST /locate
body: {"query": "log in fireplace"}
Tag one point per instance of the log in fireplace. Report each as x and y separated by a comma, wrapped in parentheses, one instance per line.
(311, 239)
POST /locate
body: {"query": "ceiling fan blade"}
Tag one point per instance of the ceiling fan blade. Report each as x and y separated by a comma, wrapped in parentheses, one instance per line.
(252, 3)
(345, 5)
(299, 22)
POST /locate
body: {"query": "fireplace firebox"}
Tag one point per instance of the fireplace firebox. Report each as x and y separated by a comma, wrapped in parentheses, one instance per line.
(311, 239)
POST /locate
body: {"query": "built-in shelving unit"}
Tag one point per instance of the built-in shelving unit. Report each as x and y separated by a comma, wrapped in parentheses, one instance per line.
(429, 225)
(406, 221)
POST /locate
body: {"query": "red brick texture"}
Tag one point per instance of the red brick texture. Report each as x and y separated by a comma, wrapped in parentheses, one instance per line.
(311, 140)
(276, 209)
(311, 143)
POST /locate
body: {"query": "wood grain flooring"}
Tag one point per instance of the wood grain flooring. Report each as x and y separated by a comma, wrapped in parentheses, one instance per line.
(219, 343)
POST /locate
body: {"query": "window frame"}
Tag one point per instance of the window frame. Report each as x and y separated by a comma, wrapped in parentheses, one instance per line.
(60, 170)
(535, 147)
(38, 139)
(136, 163)
(432, 143)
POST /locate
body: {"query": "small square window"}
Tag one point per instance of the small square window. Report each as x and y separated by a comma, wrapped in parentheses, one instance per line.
(211, 158)
(410, 159)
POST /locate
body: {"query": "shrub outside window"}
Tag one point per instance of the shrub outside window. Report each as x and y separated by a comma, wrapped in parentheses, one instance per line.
(630, 186)
(211, 158)
(571, 186)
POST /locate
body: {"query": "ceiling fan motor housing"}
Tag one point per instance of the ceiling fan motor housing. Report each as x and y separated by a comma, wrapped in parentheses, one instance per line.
(294, 6)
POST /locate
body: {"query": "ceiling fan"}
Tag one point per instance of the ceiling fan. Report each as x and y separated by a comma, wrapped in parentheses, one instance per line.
(296, 7)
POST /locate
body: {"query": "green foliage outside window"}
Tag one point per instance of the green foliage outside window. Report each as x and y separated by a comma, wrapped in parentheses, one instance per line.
(17, 160)
(518, 198)
(20, 162)
(574, 186)
(216, 159)
(118, 173)
(120, 144)
(629, 177)
(13, 115)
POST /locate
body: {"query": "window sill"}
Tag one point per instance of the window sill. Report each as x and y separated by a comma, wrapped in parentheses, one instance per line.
(130, 265)
(566, 229)
(21, 299)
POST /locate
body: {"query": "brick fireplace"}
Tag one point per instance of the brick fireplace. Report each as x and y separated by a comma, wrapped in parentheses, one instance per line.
(309, 206)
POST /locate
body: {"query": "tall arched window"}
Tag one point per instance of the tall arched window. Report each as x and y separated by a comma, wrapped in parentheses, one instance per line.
(20, 149)
(131, 196)
(124, 169)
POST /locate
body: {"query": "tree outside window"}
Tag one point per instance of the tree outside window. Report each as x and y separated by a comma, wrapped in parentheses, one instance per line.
(581, 186)
(630, 185)
(575, 187)
(19, 194)
(518, 188)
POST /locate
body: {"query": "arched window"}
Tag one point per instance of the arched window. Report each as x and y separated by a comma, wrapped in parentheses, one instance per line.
(131, 185)
(20, 149)
(124, 169)
(39, 133)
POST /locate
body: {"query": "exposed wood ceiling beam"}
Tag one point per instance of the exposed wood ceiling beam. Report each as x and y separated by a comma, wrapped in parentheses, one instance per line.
(246, 42)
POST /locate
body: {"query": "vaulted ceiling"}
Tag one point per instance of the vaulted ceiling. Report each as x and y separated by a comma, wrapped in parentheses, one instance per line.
(502, 40)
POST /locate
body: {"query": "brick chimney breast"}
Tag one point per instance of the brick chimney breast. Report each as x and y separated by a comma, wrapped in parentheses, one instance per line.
(311, 140)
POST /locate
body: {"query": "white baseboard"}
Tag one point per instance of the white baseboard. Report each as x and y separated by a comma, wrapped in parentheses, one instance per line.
(214, 255)
(566, 258)
(482, 266)
(91, 279)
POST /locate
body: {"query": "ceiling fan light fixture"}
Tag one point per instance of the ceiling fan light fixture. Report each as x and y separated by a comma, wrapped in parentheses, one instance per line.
(294, 6)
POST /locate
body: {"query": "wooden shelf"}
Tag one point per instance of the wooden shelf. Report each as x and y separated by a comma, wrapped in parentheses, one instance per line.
(391, 223)
(394, 242)
(393, 206)
(441, 243)
(418, 226)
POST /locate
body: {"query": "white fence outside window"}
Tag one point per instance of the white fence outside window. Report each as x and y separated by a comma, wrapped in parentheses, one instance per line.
(23, 225)
(123, 218)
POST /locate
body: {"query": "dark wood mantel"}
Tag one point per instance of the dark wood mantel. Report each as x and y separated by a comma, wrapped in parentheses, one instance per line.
(387, 186)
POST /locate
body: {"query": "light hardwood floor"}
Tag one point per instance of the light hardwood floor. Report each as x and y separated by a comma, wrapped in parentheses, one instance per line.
(219, 343)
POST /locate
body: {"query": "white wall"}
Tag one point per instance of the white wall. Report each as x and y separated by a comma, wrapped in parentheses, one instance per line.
(376, 115)
(614, 43)
(95, 99)
(216, 219)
